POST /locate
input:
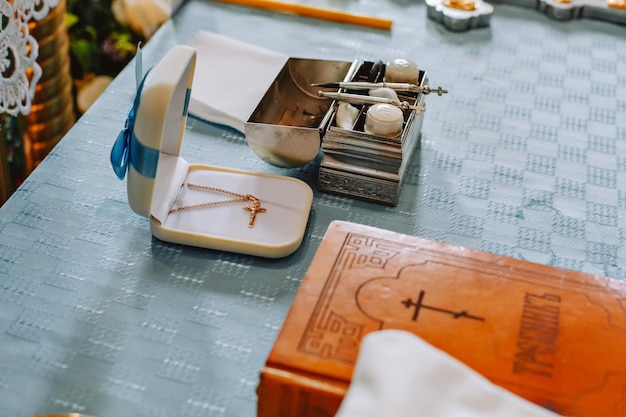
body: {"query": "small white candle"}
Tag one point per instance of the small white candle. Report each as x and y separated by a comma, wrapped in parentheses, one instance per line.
(402, 70)
(384, 120)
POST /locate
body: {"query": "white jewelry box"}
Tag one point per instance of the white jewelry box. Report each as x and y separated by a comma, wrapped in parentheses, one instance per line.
(148, 151)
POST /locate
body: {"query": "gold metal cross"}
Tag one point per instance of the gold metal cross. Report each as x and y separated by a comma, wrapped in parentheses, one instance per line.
(254, 208)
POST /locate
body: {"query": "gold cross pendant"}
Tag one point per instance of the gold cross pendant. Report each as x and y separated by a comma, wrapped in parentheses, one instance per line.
(254, 208)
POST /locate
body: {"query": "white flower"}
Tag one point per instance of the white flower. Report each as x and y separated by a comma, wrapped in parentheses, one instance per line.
(142, 16)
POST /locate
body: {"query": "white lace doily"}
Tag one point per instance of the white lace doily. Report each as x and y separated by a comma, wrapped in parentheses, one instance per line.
(18, 53)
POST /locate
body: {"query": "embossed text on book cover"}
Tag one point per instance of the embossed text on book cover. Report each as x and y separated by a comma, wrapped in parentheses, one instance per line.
(552, 336)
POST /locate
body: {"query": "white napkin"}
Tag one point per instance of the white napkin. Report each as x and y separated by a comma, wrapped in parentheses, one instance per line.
(231, 78)
(400, 375)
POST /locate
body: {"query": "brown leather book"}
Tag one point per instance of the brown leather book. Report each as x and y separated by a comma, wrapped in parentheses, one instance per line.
(552, 336)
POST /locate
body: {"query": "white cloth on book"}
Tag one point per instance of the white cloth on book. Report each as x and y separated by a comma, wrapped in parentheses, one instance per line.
(231, 78)
(399, 374)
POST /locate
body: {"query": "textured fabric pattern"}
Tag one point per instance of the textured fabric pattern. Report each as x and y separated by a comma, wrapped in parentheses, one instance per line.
(526, 157)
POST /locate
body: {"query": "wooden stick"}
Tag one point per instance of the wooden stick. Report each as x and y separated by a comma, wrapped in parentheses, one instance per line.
(316, 12)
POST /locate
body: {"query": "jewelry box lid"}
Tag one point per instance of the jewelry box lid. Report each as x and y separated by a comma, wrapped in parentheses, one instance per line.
(153, 133)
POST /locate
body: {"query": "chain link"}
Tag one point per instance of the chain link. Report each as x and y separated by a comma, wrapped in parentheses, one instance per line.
(241, 198)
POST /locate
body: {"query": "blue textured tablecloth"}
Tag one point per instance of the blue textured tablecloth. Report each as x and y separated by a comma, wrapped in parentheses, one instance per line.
(526, 157)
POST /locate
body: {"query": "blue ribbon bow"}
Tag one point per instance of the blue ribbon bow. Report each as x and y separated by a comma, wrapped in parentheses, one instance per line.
(120, 153)
(127, 148)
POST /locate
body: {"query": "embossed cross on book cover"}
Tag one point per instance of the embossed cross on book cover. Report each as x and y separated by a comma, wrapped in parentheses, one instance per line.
(552, 336)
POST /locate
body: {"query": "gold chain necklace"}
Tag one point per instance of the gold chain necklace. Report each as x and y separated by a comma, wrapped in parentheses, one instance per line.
(254, 207)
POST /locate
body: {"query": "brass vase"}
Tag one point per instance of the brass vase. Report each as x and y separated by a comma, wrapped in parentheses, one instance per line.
(52, 111)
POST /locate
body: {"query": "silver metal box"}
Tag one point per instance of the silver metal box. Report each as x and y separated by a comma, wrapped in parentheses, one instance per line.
(292, 123)
(287, 126)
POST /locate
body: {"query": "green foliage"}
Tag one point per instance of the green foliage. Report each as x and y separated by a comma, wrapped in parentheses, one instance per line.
(99, 45)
